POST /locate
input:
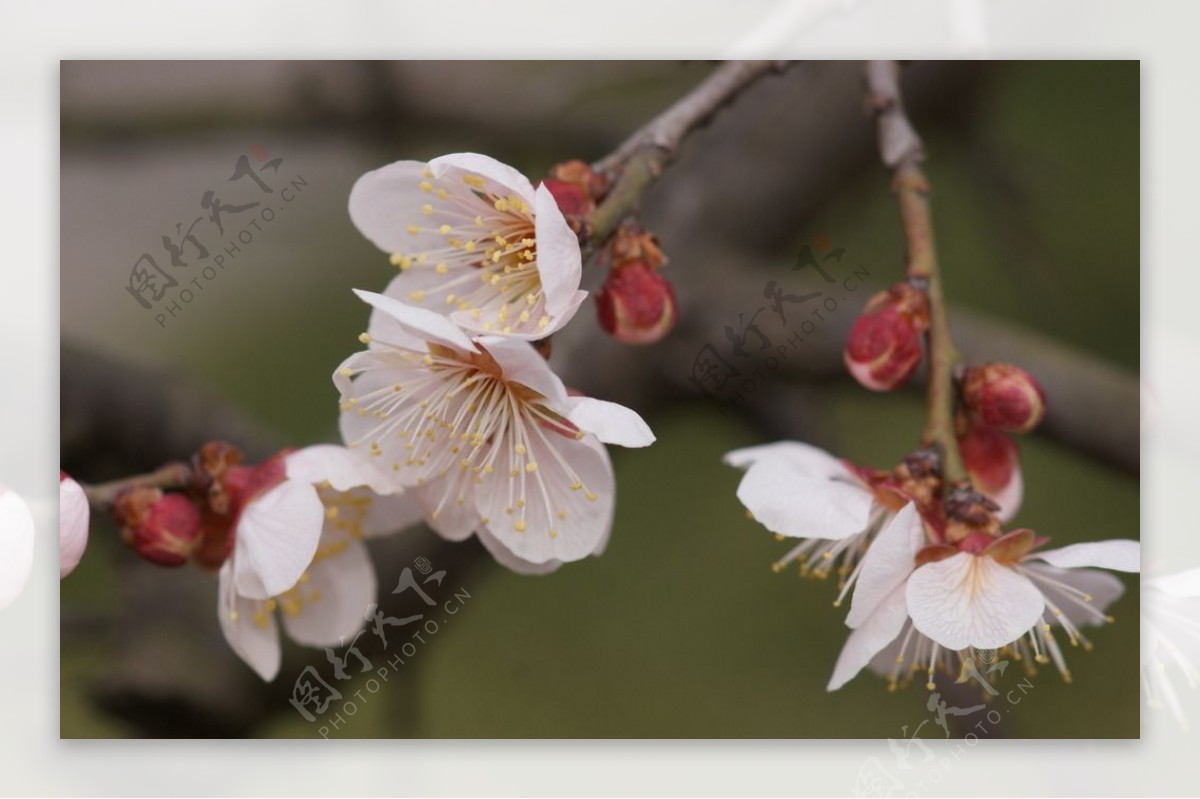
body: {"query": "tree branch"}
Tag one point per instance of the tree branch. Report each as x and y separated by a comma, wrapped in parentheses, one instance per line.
(902, 152)
(641, 158)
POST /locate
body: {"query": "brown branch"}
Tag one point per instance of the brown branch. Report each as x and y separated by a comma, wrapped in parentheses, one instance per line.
(641, 158)
(902, 152)
(169, 477)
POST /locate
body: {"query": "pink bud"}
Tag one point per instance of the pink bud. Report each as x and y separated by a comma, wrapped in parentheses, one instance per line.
(1004, 397)
(162, 528)
(636, 305)
(994, 464)
(883, 349)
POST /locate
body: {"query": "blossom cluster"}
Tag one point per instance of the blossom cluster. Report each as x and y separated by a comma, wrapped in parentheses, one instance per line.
(932, 575)
(450, 415)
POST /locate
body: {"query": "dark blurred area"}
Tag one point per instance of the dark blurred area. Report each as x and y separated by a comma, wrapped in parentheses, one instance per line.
(680, 629)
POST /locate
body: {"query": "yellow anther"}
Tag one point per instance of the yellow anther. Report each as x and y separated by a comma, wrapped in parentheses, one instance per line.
(520, 525)
(417, 296)
(427, 209)
(442, 269)
(531, 466)
(413, 230)
(473, 180)
(426, 186)
(444, 229)
(365, 338)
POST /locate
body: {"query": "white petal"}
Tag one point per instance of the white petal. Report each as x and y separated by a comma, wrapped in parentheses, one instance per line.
(522, 364)
(878, 630)
(505, 179)
(419, 322)
(804, 458)
(327, 609)
(887, 564)
(388, 515)
(74, 515)
(16, 545)
(785, 501)
(342, 468)
(385, 201)
(448, 505)
(249, 629)
(1183, 584)
(1118, 554)
(609, 422)
(276, 537)
(1009, 498)
(510, 561)
(559, 260)
(586, 523)
(1102, 587)
(971, 600)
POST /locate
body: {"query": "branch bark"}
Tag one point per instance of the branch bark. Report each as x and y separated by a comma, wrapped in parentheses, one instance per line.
(641, 158)
(903, 153)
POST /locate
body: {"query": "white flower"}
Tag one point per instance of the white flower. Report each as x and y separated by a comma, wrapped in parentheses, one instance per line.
(799, 491)
(908, 618)
(485, 433)
(73, 516)
(474, 240)
(16, 545)
(1171, 638)
(298, 550)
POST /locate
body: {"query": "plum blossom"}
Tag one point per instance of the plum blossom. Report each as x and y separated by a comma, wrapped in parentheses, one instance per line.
(484, 434)
(900, 631)
(474, 240)
(297, 551)
(74, 514)
(1171, 639)
(798, 491)
(16, 545)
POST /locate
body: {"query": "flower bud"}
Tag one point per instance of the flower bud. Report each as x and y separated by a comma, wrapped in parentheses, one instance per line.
(572, 200)
(162, 528)
(636, 305)
(1004, 397)
(994, 465)
(883, 349)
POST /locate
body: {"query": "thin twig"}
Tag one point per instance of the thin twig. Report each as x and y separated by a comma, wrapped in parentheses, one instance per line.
(172, 476)
(641, 158)
(902, 152)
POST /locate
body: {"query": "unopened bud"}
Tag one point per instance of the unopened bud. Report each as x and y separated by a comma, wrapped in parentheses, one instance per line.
(636, 305)
(883, 349)
(1004, 396)
(994, 465)
(162, 528)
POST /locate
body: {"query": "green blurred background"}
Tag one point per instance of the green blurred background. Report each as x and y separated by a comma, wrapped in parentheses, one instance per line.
(680, 629)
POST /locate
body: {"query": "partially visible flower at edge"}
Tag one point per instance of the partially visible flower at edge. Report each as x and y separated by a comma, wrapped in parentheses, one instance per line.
(16, 545)
(74, 515)
(1170, 639)
(486, 436)
(475, 241)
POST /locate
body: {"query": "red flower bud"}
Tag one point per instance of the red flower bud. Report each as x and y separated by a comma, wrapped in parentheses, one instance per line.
(162, 528)
(1004, 397)
(572, 199)
(636, 305)
(883, 349)
(994, 465)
